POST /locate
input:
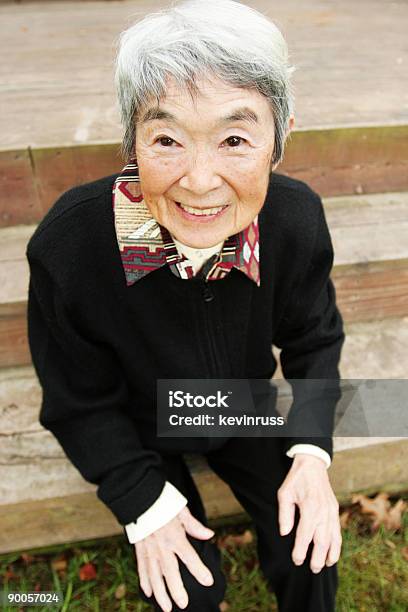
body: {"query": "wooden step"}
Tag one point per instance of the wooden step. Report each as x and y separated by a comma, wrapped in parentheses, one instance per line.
(44, 500)
(351, 132)
(36, 465)
(370, 272)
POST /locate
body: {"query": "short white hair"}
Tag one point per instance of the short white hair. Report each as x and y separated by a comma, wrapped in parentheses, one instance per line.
(195, 38)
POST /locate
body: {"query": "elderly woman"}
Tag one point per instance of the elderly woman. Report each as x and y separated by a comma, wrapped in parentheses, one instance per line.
(204, 259)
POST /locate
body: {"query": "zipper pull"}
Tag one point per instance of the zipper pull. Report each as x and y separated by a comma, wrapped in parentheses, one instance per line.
(207, 292)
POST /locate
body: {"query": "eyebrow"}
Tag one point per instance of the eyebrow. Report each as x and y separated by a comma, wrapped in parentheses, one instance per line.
(244, 113)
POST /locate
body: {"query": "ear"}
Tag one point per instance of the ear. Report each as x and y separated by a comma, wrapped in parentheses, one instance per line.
(291, 124)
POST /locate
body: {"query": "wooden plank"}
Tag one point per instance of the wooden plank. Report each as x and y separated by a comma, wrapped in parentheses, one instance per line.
(72, 518)
(33, 465)
(369, 234)
(343, 76)
(372, 291)
(19, 202)
(333, 161)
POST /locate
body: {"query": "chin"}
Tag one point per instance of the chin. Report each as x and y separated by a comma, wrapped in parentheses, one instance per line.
(201, 240)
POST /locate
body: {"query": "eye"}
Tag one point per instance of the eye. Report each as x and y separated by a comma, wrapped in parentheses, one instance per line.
(234, 141)
(165, 141)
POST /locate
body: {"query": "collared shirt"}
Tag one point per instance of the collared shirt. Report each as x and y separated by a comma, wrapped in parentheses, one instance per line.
(145, 245)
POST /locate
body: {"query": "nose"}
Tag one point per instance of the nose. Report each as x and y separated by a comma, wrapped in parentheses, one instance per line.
(201, 175)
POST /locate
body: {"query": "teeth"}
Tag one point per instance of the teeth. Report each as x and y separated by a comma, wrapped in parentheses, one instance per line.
(200, 213)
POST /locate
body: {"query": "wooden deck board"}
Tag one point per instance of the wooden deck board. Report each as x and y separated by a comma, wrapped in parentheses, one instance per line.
(82, 516)
(370, 271)
(57, 81)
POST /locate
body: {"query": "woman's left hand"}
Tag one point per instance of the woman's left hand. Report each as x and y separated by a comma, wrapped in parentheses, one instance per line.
(307, 484)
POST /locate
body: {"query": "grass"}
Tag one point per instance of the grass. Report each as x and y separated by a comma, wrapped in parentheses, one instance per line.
(373, 572)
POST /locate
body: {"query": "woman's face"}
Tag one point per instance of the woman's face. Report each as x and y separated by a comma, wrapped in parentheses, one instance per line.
(204, 162)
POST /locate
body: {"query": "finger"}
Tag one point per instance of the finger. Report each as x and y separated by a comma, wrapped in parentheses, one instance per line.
(304, 533)
(335, 548)
(144, 579)
(321, 544)
(171, 571)
(157, 582)
(193, 526)
(286, 515)
(194, 564)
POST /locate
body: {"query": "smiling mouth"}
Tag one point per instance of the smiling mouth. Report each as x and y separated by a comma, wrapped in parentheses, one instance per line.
(202, 212)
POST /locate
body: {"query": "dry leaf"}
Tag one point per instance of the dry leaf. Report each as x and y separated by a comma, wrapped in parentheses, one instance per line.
(27, 558)
(377, 507)
(87, 572)
(9, 574)
(224, 606)
(59, 564)
(380, 510)
(404, 552)
(390, 544)
(236, 540)
(120, 591)
(394, 517)
(344, 518)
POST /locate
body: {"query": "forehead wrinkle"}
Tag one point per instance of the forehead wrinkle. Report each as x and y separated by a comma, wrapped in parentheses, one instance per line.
(243, 113)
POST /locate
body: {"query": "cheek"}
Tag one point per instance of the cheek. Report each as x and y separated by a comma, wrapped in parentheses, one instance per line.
(252, 186)
(156, 177)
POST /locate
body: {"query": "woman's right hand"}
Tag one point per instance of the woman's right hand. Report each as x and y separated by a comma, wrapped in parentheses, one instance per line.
(157, 559)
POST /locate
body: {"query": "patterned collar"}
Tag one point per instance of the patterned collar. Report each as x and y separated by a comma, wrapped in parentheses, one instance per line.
(145, 245)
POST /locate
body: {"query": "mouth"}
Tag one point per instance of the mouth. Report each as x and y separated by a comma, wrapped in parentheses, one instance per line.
(201, 214)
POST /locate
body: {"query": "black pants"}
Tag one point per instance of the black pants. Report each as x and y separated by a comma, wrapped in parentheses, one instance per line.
(254, 468)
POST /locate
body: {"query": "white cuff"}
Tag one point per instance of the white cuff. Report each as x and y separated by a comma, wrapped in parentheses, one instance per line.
(310, 449)
(166, 507)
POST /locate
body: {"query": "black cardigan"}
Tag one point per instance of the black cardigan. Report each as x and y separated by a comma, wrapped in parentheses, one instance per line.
(98, 346)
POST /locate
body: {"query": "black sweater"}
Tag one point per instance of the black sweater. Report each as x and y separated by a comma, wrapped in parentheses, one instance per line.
(99, 346)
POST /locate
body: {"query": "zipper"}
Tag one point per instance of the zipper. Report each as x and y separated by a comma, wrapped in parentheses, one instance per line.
(208, 296)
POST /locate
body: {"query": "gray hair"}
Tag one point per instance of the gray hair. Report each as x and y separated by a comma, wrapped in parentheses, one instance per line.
(193, 38)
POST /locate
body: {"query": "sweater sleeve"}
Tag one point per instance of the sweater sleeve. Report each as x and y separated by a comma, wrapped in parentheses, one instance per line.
(83, 401)
(311, 337)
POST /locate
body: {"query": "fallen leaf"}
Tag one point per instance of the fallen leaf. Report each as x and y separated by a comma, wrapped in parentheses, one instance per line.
(87, 572)
(37, 587)
(10, 574)
(404, 552)
(394, 517)
(344, 518)
(27, 558)
(120, 591)
(390, 544)
(381, 511)
(59, 564)
(377, 507)
(236, 540)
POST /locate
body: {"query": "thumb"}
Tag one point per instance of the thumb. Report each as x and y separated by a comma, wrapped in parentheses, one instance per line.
(193, 526)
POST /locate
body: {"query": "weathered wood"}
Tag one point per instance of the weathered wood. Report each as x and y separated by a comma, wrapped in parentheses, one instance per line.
(33, 465)
(338, 161)
(65, 53)
(369, 235)
(73, 130)
(81, 516)
(19, 202)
